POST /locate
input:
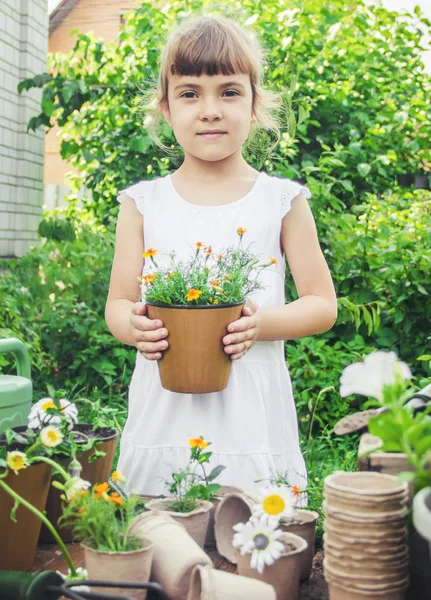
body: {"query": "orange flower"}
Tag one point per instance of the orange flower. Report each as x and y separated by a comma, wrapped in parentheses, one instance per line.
(114, 497)
(199, 245)
(215, 283)
(216, 301)
(295, 490)
(200, 442)
(208, 250)
(149, 278)
(220, 256)
(273, 261)
(100, 490)
(193, 294)
(149, 253)
(117, 476)
(241, 231)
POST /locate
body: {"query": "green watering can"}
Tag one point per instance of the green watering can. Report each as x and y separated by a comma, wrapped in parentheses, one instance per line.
(16, 391)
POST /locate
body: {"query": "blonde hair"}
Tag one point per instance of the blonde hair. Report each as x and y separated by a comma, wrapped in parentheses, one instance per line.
(214, 45)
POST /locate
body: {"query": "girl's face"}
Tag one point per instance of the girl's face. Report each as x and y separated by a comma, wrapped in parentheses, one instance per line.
(210, 115)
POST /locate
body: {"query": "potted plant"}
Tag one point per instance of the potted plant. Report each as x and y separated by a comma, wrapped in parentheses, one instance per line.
(93, 446)
(196, 300)
(25, 475)
(191, 492)
(101, 519)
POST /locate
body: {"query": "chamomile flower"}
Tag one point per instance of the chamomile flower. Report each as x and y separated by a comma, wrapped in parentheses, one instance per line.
(39, 417)
(275, 502)
(16, 461)
(260, 538)
(51, 436)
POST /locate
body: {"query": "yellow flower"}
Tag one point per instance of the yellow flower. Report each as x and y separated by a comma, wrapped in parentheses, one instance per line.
(117, 476)
(101, 490)
(215, 282)
(208, 250)
(216, 301)
(149, 278)
(51, 436)
(199, 245)
(16, 461)
(114, 497)
(48, 404)
(200, 442)
(273, 261)
(241, 231)
(193, 294)
(219, 256)
(149, 253)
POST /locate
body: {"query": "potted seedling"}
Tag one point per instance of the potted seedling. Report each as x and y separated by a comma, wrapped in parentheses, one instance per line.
(191, 491)
(101, 519)
(196, 300)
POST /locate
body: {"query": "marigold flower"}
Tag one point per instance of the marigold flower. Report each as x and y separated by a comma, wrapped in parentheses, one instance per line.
(114, 497)
(199, 245)
(219, 256)
(215, 282)
(241, 231)
(273, 261)
(193, 294)
(149, 253)
(208, 250)
(16, 461)
(295, 490)
(149, 278)
(215, 301)
(117, 476)
(51, 436)
(101, 490)
(200, 442)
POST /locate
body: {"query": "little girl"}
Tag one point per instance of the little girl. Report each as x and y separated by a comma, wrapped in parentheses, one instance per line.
(210, 93)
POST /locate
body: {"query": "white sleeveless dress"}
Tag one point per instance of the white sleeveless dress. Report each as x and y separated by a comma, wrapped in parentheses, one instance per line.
(252, 424)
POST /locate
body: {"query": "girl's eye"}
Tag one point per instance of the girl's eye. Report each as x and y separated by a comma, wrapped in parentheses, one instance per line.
(231, 93)
(187, 95)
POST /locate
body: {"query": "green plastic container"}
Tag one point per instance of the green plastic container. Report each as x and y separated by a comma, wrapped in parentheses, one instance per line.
(15, 585)
(16, 391)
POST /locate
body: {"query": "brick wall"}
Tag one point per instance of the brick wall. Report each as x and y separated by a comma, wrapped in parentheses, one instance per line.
(23, 51)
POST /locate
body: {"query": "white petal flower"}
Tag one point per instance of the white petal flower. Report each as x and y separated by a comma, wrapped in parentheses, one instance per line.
(369, 377)
(260, 538)
(74, 486)
(51, 436)
(39, 416)
(276, 502)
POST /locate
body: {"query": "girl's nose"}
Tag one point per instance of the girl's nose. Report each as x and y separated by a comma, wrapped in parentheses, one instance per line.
(210, 110)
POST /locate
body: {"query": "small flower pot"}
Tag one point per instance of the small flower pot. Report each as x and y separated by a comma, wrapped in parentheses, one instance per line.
(284, 573)
(195, 362)
(303, 523)
(120, 566)
(96, 471)
(365, 485)
(195, 521)
(365, 578)
(340, 591)
(370, 568)
(389, 517)
(232, 509)
(358, 504)
(19, 540)
(210, 541)
(175, 552)
(210, 584)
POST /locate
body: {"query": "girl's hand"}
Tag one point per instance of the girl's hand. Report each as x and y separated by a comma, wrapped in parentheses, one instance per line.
(242, 333)
(148, 334)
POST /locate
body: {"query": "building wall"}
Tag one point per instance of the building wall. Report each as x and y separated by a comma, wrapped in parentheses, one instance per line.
(103, 18)
(23, 51)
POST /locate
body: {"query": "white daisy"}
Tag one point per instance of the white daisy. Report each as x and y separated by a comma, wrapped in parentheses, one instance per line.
(39, 417)
(260, 538)
(275, 502)
(74, 486)
(51, 436)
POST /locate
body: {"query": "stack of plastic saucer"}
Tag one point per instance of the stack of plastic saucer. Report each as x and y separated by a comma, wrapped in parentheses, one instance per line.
(365, 540)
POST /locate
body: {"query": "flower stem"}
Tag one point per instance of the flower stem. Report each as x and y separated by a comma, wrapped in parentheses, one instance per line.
(44, 520)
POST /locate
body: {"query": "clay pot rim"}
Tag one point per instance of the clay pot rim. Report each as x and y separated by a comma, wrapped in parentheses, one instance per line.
(347, 562)
(365, 591)
(148, 546)
(356, 579)
(203, 507)
(298, 541)
(331, 482)
(353, 497)
(198, 307)
(311, 517)
(375, 538)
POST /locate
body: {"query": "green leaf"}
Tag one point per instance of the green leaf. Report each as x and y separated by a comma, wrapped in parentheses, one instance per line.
(364, 169)
(215, 472)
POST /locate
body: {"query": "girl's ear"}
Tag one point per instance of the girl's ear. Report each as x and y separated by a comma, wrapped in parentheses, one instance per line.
(165, 110)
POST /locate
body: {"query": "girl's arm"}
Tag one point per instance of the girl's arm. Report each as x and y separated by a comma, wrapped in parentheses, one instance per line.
(315, 311)
(124, 315)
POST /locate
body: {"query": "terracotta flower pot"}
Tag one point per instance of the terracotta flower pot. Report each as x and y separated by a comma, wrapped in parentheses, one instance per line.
(175, 552)
(195, 521)
(338, 591)
(209, 584)
(367, 544)
(233, 509)
(210, 541)
(360, 552)
(19, 540)
(195, 361)
(303, 524)
(364, 578)
(284, 573)
(120, 566)
(395, 517)
(357, 504)
(96, 471)
(370, 568)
